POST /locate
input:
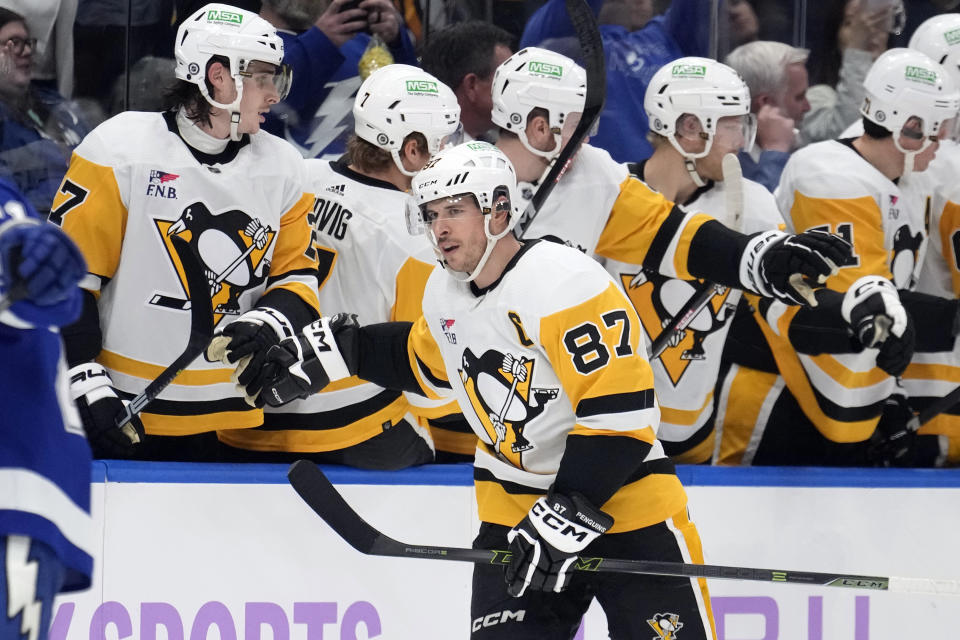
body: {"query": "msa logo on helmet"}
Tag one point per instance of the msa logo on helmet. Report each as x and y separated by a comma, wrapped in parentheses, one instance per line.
(217, 15)
(479, 146)
(688, 71)
(919, 74)
(952, 37)
(422, 86)
(545, 69)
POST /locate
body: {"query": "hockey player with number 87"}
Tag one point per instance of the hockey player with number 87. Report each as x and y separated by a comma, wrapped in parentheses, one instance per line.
(543, 352)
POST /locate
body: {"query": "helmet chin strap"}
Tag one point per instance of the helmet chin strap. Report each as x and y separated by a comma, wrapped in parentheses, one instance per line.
(909, 156)
(459, 275)
(397, 160)
(690, 165)
(549, 155)
(690, 159)
(233, 108)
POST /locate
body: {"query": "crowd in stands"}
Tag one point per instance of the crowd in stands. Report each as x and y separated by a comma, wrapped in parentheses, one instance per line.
(67, 66)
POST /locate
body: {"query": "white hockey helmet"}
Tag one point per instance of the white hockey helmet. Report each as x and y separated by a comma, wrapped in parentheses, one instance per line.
(532, 78)
(939, 38)
(397, 100)
(708, 90)
(477, 169)
(237, 35)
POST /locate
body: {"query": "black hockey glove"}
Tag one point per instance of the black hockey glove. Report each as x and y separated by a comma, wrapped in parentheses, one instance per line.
(245, 342)
(788, 267)
(327, 350)
(545, 544)
(878, 319)
(99, 406)
(896, 443)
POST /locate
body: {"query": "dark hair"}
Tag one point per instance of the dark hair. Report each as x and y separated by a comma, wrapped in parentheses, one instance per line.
(370, 158)
(187, 95)
(462, 48)
(7, 16)
(874, 130)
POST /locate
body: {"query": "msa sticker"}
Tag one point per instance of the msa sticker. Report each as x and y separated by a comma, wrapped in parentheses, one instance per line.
(688, 71)
(421, 86)
(545, 69)
(218, 15)
(479, 146)
(952, 37)
(919, 74)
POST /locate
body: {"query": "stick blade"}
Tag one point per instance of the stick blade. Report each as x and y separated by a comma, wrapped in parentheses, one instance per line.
(318, 492)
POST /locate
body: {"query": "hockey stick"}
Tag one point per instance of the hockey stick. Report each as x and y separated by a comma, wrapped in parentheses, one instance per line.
(201, 331)
(585, 24)
(321, 496)
(733, 183)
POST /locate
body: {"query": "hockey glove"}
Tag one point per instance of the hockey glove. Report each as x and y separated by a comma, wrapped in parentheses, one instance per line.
(327, 350)
(41, 256)
(788, 267)
(245, 342)
(545, 544)
(878, 319)
(99, 405)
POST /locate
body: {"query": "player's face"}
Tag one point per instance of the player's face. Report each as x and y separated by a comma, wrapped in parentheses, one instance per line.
(794, 101)
(16, 55)
(457, 227)
(259, 94)
(911, 139)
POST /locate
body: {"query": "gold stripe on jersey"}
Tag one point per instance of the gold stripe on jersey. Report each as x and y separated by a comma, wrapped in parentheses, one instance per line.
(699, 453)
(294, 255)
(748, 390)
(452, 441)
(594, 348)
(147, 371)
(90, 210)
(680, 523)
(168, 425)
(646, 434)
(309, 440)
(410, 283)
(426, 361)
(949, 227)
(684, 417)
(636, 505)
(866, 225)
(637, 219)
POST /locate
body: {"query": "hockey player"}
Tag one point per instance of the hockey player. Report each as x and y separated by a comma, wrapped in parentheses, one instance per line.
(403, 116)
(46, 534)
(699, 111)
(203, 171)
(543, 352)
(599, 208)
(787, 407)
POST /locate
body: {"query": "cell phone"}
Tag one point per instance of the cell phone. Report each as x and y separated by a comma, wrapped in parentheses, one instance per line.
(354, 4)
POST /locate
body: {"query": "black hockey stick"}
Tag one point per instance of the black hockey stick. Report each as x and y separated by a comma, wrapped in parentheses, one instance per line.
(321, 496)
(733, 181)
(201, 330)
(585, 24)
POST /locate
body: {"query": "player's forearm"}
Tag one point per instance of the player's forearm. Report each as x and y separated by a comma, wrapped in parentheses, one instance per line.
(597, 466)
(715, 253)
(383, 358)
(83, 339)
(937, 320)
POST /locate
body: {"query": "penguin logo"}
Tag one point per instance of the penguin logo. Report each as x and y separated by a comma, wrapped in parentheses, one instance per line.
(666, 625)
(232, 247)
(500, 389)
(657, 299)
(906, 256)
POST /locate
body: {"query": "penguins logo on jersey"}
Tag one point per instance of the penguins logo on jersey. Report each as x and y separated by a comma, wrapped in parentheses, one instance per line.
(499, 387)
(658, 298)
(666, 625)
(231, 245)
(906, 256)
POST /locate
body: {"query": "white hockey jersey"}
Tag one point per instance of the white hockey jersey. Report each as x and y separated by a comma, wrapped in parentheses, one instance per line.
(885, 222)
(378, 271)
(535, 358)
(686, 372)
(132, 184)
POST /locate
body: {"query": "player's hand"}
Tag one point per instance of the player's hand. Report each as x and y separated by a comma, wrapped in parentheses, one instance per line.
(327, 350)
(99, 406)
(545, 544)
(878, 319)
(244, 343)
(41, 257)
(788, 267)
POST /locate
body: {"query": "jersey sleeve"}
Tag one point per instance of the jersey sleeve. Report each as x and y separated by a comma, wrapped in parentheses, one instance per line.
(645, 228)
(89, 208)
(294, 266)
(426, 361)
(949, 227)
(597, 354)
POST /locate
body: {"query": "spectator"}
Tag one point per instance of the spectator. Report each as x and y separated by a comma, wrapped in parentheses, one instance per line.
(325, 57)
(853, 35)
(37, 126)
(464, 56)
(51, 21)
(777, 77)
(744, 25)
(634, 46)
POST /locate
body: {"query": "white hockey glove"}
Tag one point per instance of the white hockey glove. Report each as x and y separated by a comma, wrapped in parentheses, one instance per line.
(303, 365)
(788, 267)
(99, 406)
(545, 544)
(878, 319)
(245, 342)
